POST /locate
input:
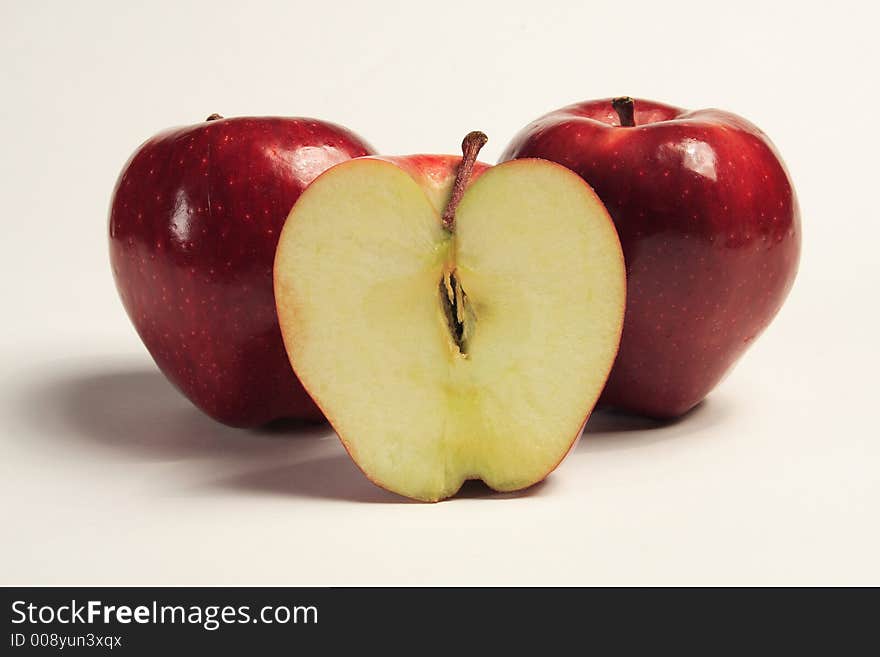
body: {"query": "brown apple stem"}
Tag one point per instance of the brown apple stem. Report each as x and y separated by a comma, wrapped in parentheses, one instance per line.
(470, 148)
(213, 117)
(625, 108)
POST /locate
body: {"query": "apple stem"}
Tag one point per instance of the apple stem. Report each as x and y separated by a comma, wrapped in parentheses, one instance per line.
(470, 148)
(625, 108)
(214, 117)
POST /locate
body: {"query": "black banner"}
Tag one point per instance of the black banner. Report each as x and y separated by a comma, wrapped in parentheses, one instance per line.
(134, 621)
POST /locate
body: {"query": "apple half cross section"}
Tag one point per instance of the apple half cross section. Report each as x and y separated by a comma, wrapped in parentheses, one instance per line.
(453, 321)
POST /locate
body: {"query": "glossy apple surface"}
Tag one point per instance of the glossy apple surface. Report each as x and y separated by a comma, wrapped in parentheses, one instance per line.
(194, 223)
(710, 229)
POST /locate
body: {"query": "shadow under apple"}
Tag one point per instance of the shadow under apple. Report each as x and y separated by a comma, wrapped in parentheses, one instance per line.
(609, 430)
(333, 477)
(337, 477)
(127, 413)
(136, 414)
(133, 414)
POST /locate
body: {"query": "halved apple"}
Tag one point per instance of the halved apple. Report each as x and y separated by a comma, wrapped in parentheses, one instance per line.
(451, 326)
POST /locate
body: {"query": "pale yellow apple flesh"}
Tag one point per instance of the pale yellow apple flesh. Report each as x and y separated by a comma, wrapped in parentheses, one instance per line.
(438, 356)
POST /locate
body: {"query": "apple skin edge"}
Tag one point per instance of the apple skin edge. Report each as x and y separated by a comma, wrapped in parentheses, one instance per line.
(194, 222)
(710, 227)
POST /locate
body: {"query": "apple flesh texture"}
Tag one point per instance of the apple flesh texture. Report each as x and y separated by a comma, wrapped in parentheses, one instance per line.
(710, 228)
(437, 356)
(194, 223)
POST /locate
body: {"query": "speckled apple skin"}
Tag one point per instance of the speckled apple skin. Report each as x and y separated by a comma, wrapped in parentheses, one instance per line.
(710, 229)
(194, 223)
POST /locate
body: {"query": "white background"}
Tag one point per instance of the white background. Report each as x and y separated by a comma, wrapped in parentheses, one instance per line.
(107, 475)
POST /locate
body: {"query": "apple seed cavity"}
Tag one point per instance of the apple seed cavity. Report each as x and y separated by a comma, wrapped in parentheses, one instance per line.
(458, 312)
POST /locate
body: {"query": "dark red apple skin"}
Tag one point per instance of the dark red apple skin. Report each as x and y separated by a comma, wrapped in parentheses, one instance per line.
(710, 229)
(194, 223)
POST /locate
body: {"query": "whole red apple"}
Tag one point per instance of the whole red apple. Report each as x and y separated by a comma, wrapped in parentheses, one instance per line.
(710, 229)
(194, 223)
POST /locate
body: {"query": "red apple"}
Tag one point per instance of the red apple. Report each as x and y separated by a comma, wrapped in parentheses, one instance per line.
(194, 223)
(710, 228)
